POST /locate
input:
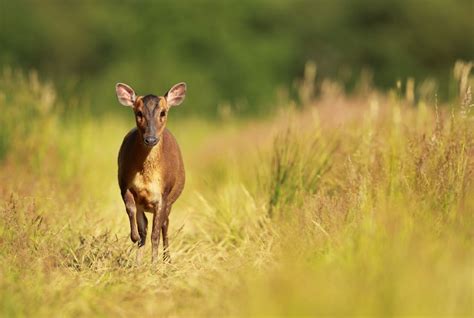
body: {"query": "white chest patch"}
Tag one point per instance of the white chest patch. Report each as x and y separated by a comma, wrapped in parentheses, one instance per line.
(147, 187)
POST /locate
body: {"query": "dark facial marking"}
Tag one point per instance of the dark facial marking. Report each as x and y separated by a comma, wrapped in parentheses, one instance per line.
(152, 121)
(151, 103)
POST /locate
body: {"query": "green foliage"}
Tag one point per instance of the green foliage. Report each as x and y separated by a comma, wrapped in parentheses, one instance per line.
(27, 113)
(230, 51)
(297, 165)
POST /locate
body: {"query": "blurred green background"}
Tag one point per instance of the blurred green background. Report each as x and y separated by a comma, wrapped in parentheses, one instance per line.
(230, 52)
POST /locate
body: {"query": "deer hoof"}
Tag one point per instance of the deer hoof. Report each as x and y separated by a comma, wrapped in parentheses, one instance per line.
(134, 237)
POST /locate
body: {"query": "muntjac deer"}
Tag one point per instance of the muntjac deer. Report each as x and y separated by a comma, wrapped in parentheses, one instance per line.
(150, 167)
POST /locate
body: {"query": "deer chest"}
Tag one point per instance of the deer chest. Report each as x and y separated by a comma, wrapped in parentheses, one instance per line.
(147, 187)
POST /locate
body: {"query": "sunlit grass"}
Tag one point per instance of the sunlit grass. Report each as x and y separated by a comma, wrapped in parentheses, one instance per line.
(348, 206)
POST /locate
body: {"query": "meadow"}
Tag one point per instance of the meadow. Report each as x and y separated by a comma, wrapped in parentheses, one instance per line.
(338, 204)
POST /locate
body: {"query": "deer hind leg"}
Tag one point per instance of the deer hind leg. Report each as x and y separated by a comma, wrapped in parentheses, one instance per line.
(131, 208)
(142, 223)
(159, 217)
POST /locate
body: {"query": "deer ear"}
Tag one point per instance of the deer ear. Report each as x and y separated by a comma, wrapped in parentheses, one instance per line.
(176, 94)
(125, 94)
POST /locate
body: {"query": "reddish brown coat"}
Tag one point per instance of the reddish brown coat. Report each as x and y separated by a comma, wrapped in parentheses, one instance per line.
(143, 169)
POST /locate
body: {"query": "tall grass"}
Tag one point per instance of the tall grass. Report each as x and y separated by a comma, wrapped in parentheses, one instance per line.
(355, 205)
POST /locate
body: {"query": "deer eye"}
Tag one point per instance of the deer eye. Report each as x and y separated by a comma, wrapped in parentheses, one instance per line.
(139, 114)
(163, 113)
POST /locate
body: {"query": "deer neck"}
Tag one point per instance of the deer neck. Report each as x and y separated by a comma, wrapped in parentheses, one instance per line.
(149, 157)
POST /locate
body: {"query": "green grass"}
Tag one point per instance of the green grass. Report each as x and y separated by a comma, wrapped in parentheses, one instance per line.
(349, 206)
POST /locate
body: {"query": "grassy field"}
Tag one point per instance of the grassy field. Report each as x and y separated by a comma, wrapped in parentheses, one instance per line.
(344, 205)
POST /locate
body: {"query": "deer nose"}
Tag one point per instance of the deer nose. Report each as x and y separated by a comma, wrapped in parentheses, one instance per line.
(150, 141)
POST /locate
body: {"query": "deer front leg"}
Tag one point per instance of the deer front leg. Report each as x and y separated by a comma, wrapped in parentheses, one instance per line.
(142, 223)
(159, 215)
(131, 208)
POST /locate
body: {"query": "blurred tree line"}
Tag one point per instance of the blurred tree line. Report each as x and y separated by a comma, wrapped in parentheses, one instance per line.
(235, 51)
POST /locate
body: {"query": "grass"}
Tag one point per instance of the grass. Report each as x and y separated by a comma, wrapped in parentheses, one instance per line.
(357, 205)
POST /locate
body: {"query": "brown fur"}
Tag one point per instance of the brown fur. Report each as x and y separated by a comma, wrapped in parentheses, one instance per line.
(150, 178)
(160, 166)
